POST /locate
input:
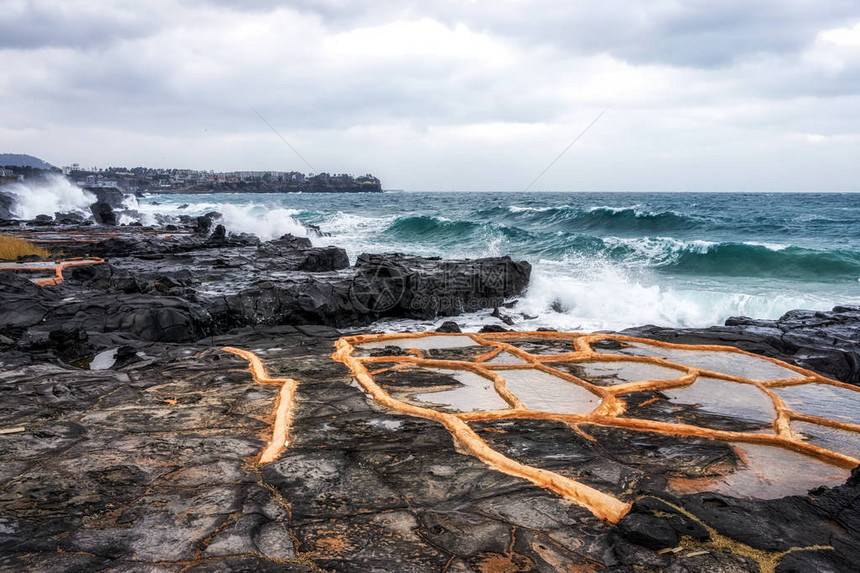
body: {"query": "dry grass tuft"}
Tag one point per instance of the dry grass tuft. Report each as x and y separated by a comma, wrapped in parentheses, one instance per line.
(11, 248)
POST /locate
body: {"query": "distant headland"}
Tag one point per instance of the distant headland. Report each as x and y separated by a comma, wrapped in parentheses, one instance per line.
(17, 167)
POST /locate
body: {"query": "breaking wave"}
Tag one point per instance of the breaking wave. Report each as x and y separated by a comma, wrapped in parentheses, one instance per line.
(664, 254)
(46, 197)
(627, 220)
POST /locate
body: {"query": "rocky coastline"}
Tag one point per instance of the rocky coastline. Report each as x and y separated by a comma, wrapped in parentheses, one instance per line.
(130, 437)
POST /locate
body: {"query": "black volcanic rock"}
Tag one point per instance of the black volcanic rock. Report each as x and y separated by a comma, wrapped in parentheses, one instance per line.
(6, 203)
(203, 225)
(220, 239)
(110, 195)
(147, 461)
(449, 326)
(69, 218)
(296, 253)
(103, 214)
(180, 287)
(420, 287)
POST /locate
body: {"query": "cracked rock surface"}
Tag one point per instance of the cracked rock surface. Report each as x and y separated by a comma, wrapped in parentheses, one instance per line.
(129, 440)
(151, 466)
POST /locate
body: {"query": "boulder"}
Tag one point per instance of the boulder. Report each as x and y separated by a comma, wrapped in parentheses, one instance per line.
(41, 221)
(110, 195)
(449, 326)
(103, 214)
(69, 218)
(424, 288)
(6, 203)
(297, 253)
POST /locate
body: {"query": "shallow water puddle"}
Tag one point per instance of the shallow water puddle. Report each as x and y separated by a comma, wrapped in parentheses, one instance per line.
(830, 438)
(771, 473)
(823, 400)
(545, 393)
(730, 399)
(423, 343)
(505, 358)
(54, 269)
(476, 394)
(727, 362)
(102, 361)
(612, 373)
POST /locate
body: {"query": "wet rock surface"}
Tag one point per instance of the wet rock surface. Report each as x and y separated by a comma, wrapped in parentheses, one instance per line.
(133, 439)
(176, 285)
(826, 342)
(6, 202)
(151, 464)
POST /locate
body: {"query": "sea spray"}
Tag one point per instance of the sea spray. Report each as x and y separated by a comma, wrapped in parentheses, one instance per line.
(267, 224)
(602, 296)
(239, 216)
(48, 196)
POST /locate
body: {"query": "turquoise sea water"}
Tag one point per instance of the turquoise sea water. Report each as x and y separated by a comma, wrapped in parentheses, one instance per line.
(601, 260)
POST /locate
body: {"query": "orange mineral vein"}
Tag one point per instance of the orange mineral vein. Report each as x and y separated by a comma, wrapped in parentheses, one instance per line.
(56, 266)
(283, 411)
(609, 413)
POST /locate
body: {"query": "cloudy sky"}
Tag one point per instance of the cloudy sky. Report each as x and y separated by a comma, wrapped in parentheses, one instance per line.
(446, 95)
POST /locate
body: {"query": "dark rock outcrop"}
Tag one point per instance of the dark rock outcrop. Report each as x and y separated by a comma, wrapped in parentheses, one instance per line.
(449, 326)
(155, 319)
(6, 202)
(297, 253)
(70, 218)
(378, 286)
(103, 214)
(173, 286)
(41, 221)
(147, 461)
(110, 195)
(420, 287)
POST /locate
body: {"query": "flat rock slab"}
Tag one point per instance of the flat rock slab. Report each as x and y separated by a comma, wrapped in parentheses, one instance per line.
(151, 465)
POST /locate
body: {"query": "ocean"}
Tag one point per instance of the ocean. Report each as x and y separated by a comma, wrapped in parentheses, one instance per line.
(600, 260)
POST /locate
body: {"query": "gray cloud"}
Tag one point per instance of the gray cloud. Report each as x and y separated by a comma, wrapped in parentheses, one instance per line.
(404, 88)
(71, 24)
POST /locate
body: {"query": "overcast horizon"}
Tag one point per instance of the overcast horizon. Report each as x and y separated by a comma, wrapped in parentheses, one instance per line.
(448, 95)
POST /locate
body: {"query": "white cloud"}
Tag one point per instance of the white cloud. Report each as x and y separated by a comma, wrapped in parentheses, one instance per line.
(842, 36)
(411, 39)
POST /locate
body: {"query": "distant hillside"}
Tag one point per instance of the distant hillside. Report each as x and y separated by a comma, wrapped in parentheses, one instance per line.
(23, 160)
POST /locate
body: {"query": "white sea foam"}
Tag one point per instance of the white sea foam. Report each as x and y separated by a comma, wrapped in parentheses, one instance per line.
(605, 297)
(657, 250)
(267, 224)
(769, 246)
(599, 296)
(518, 209)
(264, 221)
(634, 208)
(55, 194)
